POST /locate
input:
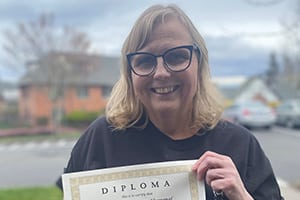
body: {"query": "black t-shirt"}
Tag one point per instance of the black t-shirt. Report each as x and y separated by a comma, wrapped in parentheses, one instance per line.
(102, 147)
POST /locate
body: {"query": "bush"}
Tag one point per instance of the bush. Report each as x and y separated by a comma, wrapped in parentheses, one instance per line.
(80, 118)
(42, 121)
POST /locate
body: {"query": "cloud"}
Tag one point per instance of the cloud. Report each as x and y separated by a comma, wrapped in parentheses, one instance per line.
(231, 56)
(230, 28)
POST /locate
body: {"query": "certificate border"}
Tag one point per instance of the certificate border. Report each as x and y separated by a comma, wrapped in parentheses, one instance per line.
(77, 181)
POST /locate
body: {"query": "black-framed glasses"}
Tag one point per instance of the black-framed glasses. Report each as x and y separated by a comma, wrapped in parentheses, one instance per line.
(176, 59)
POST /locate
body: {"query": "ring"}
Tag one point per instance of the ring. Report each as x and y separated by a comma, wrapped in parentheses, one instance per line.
(218, 194)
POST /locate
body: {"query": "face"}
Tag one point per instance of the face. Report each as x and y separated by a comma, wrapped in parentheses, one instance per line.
(163, 90)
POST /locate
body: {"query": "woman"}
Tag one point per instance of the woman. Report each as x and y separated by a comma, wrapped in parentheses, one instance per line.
(165, 107)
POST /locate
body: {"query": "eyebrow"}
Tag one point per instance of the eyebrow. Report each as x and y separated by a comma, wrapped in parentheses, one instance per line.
(163, 49)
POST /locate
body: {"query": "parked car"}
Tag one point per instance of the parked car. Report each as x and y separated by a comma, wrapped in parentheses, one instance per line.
(288, 113)
(251, 114)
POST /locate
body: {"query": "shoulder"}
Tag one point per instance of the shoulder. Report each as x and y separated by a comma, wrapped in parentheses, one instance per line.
(231, 138)
(249, 157)
(100, 124)
(93, 134)
(229, 129)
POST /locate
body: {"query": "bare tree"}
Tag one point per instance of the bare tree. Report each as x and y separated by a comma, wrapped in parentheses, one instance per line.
(292, 48)
(57, 69)
(273, 71)
(32, 41)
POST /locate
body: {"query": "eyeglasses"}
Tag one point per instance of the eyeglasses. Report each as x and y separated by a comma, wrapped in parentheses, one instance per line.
(176, 59)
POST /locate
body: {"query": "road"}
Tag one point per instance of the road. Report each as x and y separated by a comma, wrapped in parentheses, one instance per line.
(282, 146)
(33, 164)
(40, 164)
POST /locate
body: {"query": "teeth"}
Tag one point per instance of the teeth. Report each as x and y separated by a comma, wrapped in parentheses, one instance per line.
(164, 90)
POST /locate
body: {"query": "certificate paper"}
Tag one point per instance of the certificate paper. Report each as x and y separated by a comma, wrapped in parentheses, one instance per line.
(172, 180)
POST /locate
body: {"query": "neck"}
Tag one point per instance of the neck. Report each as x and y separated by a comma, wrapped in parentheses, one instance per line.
(174, 125)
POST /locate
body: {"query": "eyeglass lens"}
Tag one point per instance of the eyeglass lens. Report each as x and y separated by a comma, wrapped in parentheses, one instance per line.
(176, 59)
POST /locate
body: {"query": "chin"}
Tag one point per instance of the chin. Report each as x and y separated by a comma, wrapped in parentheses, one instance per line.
(166, 108)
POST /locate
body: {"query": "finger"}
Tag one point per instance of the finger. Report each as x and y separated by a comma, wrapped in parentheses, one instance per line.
(203, 157)
(230, 185)
(206, 164)
(200, 160)
(219, 185)
(214, 174)
(226, 185)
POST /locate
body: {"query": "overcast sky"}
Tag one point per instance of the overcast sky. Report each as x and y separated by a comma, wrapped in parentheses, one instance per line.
(239, 34)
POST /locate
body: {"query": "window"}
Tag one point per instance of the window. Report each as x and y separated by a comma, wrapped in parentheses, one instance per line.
(82, 92)
(106, 91)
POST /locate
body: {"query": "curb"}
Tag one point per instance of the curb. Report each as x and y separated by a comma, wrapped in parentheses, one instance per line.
(288, 191)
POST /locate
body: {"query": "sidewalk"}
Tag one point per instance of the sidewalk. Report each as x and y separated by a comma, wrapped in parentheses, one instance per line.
(288, 192)
(25, 131)
(44, 130)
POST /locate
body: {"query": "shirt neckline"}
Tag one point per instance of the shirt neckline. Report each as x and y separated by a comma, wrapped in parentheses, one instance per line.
(178, 144)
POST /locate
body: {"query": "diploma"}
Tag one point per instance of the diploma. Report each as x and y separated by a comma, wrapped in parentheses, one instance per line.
(173, 180)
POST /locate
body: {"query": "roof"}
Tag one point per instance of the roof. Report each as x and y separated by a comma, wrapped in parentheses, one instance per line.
(74, 69)
(8, 91)
(255, 86)
(286, 89)
(283, 88)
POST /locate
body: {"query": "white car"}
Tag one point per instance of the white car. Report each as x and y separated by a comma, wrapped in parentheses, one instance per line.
(251, 114)
(288, 113)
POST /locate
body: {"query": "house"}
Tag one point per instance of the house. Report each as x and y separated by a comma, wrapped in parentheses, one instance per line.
(68, 82)
(1, 98)
(8, 102)
(255, 88)
(236, 89)
(1, 104)
(287, 89)
(8, 93)
(229, 86)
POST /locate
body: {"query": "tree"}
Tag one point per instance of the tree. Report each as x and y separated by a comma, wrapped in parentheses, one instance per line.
(272, 72)
(291, 47)
(288, 68)
(32, 41)
(57, 68)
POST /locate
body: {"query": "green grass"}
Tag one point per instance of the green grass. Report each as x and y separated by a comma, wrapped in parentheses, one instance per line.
(35, 193)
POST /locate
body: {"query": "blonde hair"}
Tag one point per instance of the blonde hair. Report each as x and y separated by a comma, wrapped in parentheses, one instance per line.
(124, 110)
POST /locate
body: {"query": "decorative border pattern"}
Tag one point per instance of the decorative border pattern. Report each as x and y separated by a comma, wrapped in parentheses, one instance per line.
(76, 182)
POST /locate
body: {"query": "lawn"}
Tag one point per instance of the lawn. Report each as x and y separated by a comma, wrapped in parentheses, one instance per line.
(34, 193)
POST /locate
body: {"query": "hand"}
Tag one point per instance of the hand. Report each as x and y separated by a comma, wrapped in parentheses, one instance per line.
(221, 174)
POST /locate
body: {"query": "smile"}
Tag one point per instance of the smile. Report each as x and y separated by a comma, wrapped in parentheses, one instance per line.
(164, 90)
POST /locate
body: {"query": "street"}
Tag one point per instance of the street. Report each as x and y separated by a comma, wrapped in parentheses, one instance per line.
(33, 164)
(282, 146)
(39, 164)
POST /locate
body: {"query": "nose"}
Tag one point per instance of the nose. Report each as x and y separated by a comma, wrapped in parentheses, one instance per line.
(161, 70)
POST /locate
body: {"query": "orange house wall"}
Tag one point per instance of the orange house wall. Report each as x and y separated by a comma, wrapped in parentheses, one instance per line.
(1, 106)
(94, 102)
(36, 104)
(22, 104)
(41, 104)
